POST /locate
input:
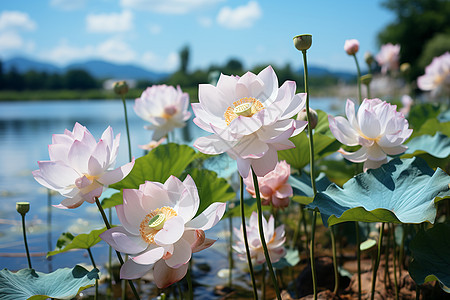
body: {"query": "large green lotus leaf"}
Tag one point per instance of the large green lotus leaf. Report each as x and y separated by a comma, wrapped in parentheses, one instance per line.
(323, 127)
(61, 284)
(67, 241)
(302, 184)
(437, 145)
(420, 113)
(431, 126)
(298, 157)
(211, 188)
(401, 191)
(431, 255)
(113, 200)
(158, 165)
(338, 171)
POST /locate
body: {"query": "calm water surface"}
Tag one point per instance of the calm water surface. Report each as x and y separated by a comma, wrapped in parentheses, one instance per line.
(25, 132)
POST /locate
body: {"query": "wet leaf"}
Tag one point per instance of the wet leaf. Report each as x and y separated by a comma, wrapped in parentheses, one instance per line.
(61, 284)
(401, 191)
(437, 145)
(67, 241)
(431, 255)
(158, 165)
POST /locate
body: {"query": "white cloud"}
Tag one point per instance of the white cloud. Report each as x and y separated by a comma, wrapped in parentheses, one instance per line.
(205, 21)
(68, 5)
(113, 49)
(10, 41)
(155, 29)
(110, 23)
(240, 17)
(12, 20)
(163, 64)
(168, 6)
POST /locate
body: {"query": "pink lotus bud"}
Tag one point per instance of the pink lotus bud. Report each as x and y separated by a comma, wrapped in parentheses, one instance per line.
(351, 46)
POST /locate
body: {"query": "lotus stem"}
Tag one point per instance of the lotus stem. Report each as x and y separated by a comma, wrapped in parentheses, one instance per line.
(95, 267)
(394, 247)
(263, 281)
(119, 257)
(313, 180)
(261, 235)
(49, 228)
(335, 265)
(377, 261)
(25, 241)
(359, 78)
(127, 127)
(244, 233)
(358, 257)
(230, 251)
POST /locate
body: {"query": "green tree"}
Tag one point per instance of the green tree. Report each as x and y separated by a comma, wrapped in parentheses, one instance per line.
(418, 21)
(184, 59)
(79, 79)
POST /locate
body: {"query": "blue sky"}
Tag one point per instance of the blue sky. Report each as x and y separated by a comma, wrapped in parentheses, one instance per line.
(150, 33)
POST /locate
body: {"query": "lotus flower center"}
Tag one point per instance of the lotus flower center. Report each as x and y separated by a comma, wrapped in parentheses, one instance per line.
(169, 111)
(245, 107)
(154, 222)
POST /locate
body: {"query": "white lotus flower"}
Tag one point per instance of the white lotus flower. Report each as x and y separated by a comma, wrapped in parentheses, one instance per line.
(274, 239)
(79, 167)
(159, 230)
(249, 118)
(388, 57)
(437, 76)
(377, 127)
(164, 107)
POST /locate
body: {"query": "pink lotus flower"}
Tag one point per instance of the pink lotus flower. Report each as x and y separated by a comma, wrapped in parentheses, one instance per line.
(79, 167)
(407, 103)
(351, 46)
(249, 118)
(273, 187)
(389, 57)
(164, 107)
(378, 128)
(152, 145)
(274, 239)
(158, 229)
(437, 76)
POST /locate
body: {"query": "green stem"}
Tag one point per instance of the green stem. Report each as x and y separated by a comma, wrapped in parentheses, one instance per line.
(189, 281)
(394, 247)
(110, 261)
(358, 257)
(126, 125)
(230, 251)
(305, 229)
(119, 257)
(263, 281)
(368, 91)
(25, 240)
(95, 267)
(359, 78)
(244, 233)
(377, 262)
(261, 235)
(335, 265)
(313, 180)
(297, 230)
(49, 226)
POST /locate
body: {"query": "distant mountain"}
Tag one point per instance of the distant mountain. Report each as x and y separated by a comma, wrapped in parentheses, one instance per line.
(97, 68)
(321, 71)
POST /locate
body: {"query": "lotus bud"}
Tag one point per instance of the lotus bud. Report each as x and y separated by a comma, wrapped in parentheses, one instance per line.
(301, 116)
(303, 42)
(351, 46)
(121, 87)
(23, 207)
(405, 68)
(366, 79)
(368, 57)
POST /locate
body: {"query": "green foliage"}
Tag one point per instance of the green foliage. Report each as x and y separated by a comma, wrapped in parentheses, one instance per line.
(421, 19)
(61, 284)
(211, 188)
(158, 165)
(431, 255)
(401, 191)
(435, 47)
(113, 200)
(67, 241)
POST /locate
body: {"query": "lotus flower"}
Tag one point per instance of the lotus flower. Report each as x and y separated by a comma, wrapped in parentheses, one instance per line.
(79, 167)
(158, 229)
(273, 187)
(249, 118)
(388, 58)
(437, 75)
(164, 107)
(274, 239)
(377, 127)
(351, 46)
(407, 103)
(152, 145)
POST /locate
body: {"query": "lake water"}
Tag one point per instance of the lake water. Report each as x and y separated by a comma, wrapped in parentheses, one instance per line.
(26, 129)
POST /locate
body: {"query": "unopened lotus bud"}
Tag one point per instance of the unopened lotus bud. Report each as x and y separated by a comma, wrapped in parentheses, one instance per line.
(366, 79)
(303, 42)
(23, 207)
(314, 118)
(351, 46)
(120, 87)
(405, 68)
(368, 57)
